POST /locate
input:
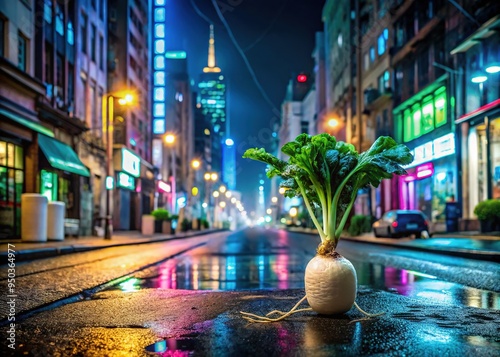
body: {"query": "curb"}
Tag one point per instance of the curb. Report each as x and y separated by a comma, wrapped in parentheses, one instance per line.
(32, 254)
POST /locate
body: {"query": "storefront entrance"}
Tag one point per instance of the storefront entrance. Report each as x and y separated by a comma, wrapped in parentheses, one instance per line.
(11, 188)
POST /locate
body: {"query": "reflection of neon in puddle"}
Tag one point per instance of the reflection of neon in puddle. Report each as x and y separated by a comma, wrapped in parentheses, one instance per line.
(172, 347)
(130, 285)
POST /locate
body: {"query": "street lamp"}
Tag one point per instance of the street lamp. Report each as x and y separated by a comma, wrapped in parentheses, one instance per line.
(333, 123)
(109, 100)
(170, 142)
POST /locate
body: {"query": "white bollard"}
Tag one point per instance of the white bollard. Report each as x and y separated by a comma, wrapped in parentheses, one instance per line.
(55, 220)
(148, 225)
(33, 217)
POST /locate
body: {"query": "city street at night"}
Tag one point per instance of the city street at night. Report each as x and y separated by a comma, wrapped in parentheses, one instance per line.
(250, 178)
(120, 300)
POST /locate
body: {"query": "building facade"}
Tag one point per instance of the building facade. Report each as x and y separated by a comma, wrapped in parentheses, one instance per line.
(212, 98)
(476, 59)
(90, 73)
(19, 122)
(129, 53)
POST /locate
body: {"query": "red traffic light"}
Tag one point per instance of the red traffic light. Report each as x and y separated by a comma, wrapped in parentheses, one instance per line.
(301, 78)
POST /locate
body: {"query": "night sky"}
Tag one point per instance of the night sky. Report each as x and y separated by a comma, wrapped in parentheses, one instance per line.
(278, 39)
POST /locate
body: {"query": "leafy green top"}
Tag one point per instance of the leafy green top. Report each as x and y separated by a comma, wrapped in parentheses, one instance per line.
(328, 174)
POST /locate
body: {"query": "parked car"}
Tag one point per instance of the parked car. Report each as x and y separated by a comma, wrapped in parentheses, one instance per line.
(400, 223)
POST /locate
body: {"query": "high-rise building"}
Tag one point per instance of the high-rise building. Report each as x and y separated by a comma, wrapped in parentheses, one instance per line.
(90, 70)
(128, 71)
(212, 99)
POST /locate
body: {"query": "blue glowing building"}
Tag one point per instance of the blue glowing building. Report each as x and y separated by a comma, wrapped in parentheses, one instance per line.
(212, 101)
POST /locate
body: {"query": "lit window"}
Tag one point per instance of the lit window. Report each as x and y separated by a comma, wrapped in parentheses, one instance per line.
(381, 45)
(47, 11)
(70, 33)
(372, 54)
(159, 94)
(59, 20)
(386, 34)
(160, 46)
(160, 2)
(159, 62)
(159, 78)
(159, 15)
(159, 110)
(160, 31)
(158, 126)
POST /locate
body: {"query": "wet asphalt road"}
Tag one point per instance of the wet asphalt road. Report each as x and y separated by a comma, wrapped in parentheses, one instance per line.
(126, 310)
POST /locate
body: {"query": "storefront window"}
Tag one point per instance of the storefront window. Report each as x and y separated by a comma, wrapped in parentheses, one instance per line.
(440, 105)
(48, 185)
(427, 116)
(11, 188)
(417, 121)
(407, 128)
(495, 156)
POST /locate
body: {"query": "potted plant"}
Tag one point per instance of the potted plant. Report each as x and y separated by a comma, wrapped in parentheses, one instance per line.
(204, 224)
(488, 214)
(327, 174)
(185, 225)
(162, 220)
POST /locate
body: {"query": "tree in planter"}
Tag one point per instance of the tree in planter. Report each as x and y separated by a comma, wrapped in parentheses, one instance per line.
(488, 213)
(162, 220)
(185, 225)
(204, 223)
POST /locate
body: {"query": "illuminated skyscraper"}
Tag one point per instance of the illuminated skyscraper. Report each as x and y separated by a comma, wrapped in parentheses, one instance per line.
(212, 99)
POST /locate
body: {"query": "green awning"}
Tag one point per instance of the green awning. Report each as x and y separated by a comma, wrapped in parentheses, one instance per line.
(27, 123)
(61, 156)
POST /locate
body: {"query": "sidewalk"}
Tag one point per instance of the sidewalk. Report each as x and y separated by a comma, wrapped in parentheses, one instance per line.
(36, 250)
(467, 246)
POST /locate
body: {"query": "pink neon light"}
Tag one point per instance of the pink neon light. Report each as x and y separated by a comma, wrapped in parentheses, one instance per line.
(425, 173)
(425, 170)
(163, 186)
(409, 178)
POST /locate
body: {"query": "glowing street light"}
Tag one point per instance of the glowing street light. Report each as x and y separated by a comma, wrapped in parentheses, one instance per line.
(282, 190)
(228, 194)
(479, 77)
(216, 194)
(274, 199)
(293, 212)
(333, 123)
(222, 189)
(108, 99)
(170, 138)
(222, 204)
(269, 211)
(195, 164)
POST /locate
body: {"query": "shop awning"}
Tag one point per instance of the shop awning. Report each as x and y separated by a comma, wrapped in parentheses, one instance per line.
(61, 156)
(26, 123)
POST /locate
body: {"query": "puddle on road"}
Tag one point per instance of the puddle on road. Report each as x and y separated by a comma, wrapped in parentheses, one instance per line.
(286, 271)
(172, 347)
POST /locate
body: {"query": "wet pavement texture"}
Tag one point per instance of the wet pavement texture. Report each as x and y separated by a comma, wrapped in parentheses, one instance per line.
(204, 323)
(431, 307)
(241, 263)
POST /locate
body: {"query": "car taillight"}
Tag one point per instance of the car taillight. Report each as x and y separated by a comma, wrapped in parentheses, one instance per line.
(394, 224)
